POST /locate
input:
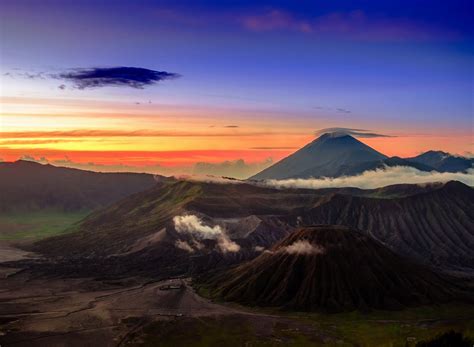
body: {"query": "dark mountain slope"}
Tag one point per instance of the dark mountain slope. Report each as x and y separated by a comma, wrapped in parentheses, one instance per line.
(332, 268)
(435, 226)
(29, 186)
(324, 156)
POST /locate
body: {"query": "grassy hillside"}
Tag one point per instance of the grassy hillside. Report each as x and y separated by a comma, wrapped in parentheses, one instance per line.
(114, 229)
(31, 226)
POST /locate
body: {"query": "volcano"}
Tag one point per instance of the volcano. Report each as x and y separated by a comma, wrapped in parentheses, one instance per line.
(332, 268)
(329, 156)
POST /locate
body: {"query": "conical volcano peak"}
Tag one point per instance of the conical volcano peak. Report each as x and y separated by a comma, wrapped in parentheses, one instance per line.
(298, 272)
(321, 235)
(334, 134)
(339, 137)
(323, 157)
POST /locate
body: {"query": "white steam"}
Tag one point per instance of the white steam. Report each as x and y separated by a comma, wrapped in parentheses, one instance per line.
(303, 247)
(184, 246)
(193, 226)
(227, 245)
(377, 178)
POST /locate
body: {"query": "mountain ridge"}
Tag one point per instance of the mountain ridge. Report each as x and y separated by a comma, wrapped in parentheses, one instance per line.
(431, 223)
(339, 154)
(30, 186)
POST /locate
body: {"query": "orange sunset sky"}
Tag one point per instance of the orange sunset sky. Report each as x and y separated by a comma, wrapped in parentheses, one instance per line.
(163, 138)
(232, 88)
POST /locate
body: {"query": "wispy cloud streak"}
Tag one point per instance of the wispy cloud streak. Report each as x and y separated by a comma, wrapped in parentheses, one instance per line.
(123, 133)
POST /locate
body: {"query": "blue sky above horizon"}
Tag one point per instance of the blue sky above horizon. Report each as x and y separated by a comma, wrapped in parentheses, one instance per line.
(399, 67)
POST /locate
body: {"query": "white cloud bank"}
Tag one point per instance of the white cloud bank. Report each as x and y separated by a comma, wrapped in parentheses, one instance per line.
(193, 226)
(303, 247)
(377, 178)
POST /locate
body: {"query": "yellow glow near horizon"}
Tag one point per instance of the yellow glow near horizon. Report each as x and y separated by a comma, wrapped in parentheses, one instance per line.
(67, 126)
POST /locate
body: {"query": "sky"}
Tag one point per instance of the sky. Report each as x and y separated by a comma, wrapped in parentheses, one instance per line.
(229, 87)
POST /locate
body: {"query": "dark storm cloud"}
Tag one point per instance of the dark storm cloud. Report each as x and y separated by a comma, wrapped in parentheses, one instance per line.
(362, 133)
(120, 76)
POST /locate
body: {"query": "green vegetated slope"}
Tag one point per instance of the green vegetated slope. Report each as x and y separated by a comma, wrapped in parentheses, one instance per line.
(38, 201)
(117, 227)
(28, 226)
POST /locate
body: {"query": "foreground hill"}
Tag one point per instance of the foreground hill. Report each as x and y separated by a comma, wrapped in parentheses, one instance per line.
(432, 223)
(29, 186)
(332, 268)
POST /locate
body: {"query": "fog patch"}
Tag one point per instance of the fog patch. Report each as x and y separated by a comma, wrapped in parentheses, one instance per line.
(376, 179)
(259, 249)
(194, 227)
(303, 247)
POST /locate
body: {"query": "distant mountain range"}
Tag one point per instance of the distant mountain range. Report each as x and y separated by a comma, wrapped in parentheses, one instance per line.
(443, 162)
(29, 186)
(336, 154)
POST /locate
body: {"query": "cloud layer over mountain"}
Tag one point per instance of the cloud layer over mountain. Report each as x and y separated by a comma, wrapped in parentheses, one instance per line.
(377, 178)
